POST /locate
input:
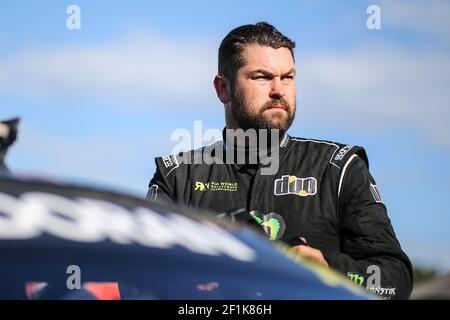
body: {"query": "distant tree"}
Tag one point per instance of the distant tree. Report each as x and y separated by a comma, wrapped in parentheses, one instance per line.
(424, 274)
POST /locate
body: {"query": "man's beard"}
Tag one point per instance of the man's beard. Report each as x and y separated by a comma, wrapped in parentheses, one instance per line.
(245, 120)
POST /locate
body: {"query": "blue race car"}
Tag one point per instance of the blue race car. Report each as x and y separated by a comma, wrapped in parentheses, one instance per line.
(61, 241)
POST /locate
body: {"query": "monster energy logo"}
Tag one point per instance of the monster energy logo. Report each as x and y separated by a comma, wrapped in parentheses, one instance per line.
(272, 223)
(356, 278)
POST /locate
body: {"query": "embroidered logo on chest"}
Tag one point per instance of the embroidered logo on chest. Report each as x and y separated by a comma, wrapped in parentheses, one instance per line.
(215, 186)
(272, 223)
(302, 187)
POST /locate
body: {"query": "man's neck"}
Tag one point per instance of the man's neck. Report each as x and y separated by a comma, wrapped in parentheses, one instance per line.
(251, 146)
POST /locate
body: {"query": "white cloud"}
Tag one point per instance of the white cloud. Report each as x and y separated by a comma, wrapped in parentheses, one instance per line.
(425, 17)
(428, 254)
(140, 68)
(378, 87)
(123, 160)
(386, 84)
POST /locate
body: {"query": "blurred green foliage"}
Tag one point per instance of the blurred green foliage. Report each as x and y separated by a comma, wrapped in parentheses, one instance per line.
(424, 274)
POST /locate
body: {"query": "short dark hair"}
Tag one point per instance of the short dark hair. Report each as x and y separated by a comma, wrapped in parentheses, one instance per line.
(232, 46)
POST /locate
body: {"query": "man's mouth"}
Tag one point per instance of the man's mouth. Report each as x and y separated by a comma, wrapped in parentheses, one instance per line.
(277, 106)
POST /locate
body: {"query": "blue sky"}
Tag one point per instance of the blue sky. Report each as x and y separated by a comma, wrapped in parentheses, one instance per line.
(99, 103)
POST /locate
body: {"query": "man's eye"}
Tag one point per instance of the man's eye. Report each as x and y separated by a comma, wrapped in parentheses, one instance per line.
(289, 77)
(262, 78)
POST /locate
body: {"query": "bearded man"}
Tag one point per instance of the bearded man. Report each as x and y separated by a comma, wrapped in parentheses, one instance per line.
(318, 192)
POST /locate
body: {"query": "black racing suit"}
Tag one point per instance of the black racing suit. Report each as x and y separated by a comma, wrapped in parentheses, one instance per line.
(322, 191)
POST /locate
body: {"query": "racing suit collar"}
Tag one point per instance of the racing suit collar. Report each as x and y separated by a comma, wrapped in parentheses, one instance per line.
(262, 155)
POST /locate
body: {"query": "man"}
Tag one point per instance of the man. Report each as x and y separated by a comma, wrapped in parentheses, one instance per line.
(320, 192)
(8, 134)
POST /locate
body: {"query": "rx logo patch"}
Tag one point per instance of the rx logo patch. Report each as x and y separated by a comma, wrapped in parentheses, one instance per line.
(201, 186)
(216, 186)
(302, 187)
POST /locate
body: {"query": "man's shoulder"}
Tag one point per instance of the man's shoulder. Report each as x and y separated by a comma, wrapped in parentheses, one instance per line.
(315, 143)
(338, 153)
(182, 161)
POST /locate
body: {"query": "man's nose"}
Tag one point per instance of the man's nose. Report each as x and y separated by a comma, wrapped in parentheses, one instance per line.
(277, 90)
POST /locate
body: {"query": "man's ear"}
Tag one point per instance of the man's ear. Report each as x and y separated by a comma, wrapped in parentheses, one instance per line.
(223, 90)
